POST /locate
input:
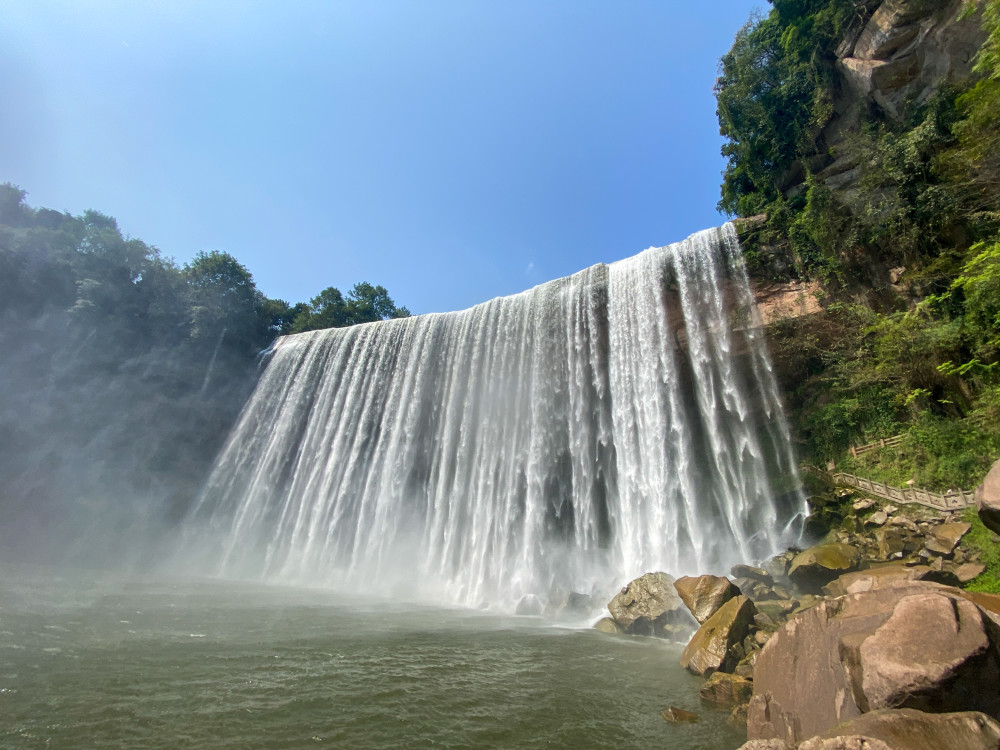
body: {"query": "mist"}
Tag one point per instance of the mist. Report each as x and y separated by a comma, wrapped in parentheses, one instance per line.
(122, 374)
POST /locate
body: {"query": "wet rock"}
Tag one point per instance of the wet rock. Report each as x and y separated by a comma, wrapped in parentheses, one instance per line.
(908, 729)
(703, 595)
(677, 715)
(650, 605)
(710, 649)
(607, 625)
(755, 574)
(726, 689)
(817, 566)
(946, 537)
(910, 644)
(875, 578)
(987, 498)
(777, 566)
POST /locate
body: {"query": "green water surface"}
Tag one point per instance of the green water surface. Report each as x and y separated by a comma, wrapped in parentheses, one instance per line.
(100, 662)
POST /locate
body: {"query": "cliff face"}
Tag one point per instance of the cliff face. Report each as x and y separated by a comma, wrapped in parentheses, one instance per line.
(895, 57)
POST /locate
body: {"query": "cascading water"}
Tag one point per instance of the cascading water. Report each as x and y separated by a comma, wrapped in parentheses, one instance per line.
(621, 420)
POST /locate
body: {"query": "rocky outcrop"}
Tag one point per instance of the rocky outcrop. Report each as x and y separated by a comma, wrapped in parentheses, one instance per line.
(907, 729)
(946, 537)
(875, 578)
(713, 646)
(703, 595)
(815, 567)
(988, 499)
(906, 645)
(650, 605)
(907, 50)
(726, 689)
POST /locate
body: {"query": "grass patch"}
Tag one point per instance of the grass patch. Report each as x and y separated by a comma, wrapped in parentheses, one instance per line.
(987, 544)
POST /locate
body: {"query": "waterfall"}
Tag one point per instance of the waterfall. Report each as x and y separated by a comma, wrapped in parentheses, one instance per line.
(568, 438)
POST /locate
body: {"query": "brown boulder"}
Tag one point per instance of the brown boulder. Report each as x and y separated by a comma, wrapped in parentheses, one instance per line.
(875, 578)
(817, 566)
(649, 605)
(988, 499)
(907, 729)
(711, 648)
(676, 715)
(969, 572)
(703, 595)
(607, 625)
(726, 689)
(946, 537)
(909, 644)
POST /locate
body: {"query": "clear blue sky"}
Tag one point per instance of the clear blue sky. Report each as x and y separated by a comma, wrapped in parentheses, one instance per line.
(451, 150)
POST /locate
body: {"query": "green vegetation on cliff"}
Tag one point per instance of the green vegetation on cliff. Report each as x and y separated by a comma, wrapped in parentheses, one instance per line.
(894, 205)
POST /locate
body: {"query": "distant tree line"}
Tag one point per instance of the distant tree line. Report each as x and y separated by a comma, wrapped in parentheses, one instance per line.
(121, 371)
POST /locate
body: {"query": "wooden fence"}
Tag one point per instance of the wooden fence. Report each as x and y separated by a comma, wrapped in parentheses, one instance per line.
(858, 450)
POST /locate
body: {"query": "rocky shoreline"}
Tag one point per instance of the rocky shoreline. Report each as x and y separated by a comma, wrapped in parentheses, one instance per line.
(865, 640)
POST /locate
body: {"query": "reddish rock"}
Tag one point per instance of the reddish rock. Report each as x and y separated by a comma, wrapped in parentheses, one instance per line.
(875, 578)
(969, 572)
(649, 605)
(988, 499)
(703, 595)
(946, 537)
(907, 729)
(909, 644)
(711, 648)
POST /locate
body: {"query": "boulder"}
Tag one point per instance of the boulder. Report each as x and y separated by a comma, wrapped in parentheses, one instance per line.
(726, 689)
(946, 537)
(772, 744)
(676, 715)
(969, 572)
(878, 518)
(650, 605)
(889, 543)
(909, 644)
(907, 729)
(756, 574)
(875, 578)
(817, 566)
(607, 625)
(988, 499)
(703, 595)
(989, 603)
(711, 648)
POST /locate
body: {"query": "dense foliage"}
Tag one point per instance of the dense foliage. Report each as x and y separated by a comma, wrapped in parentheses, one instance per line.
(123, 370)
(920, 357)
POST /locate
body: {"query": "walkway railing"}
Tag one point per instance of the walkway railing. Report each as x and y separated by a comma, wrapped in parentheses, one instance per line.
(950, 500)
